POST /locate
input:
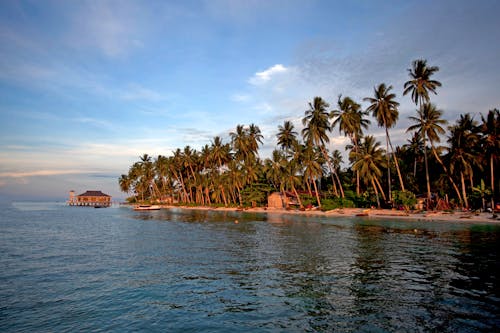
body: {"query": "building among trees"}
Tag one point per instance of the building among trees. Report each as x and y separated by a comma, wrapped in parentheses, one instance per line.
(89, 198)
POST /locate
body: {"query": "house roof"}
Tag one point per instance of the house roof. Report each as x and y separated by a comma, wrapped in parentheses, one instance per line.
(93, 194)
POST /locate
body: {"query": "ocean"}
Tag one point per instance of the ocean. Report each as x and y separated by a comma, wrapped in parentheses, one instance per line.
(69, 269)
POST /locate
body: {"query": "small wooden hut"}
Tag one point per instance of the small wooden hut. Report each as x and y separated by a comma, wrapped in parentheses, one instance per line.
(89, 198)
(275, 200)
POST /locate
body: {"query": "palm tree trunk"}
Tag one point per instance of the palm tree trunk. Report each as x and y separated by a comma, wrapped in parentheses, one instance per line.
(397, 163)
(325, 155)
(298, 197)
(462, 180)
(426, 167)
(387, 157)
(492, 179)
(376, 192)
(381, 190)
(455, 187)
(317, 193)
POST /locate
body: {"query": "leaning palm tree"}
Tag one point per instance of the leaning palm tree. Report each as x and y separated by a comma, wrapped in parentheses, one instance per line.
(428, 123)
(419, 86)
(349, 118)
(369, 162)
(385, 109)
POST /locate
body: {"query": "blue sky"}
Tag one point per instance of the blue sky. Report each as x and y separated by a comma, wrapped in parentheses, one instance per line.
(88, 86)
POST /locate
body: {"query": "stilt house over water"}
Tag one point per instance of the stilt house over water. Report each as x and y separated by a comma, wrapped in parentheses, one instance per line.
(89, 198)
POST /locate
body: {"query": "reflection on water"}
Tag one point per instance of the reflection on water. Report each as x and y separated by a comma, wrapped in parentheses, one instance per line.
(178, 270)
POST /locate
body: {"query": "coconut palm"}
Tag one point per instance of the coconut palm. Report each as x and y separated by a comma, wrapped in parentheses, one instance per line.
(385, 109)
(369, 162)
(420, 83)
(462, 140)
(419, 86)
(316, 123)
(429, 124)
(349, 118)
(490, 129)
(287, 137)
(312, 162)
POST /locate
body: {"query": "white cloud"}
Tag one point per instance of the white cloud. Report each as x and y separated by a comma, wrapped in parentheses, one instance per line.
(266, 75)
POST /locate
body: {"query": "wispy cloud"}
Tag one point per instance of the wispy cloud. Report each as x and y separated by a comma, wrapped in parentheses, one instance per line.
(41, 173)
(110, 27)
(138, 92)
(240, 98)
(266, 75)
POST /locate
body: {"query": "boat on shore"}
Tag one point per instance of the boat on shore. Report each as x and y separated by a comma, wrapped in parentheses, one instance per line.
(147, 207)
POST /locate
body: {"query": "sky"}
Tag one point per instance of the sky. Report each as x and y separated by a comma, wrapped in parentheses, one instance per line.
(86, 87)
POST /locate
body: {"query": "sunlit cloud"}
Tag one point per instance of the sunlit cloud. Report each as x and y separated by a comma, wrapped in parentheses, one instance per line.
(266, 75)
(41, 173)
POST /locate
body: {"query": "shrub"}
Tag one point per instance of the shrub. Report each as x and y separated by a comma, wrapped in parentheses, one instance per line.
(406, 199)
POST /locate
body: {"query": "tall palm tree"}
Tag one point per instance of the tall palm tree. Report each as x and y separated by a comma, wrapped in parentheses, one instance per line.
(385, 109)
(254, 138)
(490, 129)
(287, 137)
(428, 123)
(316, 123)
(349, 118)
(419, 85)
(369, 162)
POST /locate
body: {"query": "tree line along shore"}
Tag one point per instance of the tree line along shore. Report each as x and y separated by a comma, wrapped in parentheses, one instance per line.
(446, 165)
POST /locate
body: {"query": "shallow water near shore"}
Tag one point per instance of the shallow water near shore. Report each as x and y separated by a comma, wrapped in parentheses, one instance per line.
(114, 270)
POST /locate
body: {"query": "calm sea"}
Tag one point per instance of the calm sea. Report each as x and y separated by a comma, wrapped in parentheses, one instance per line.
(67, 269)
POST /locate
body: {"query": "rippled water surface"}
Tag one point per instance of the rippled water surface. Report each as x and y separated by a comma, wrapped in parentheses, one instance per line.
(84, 269)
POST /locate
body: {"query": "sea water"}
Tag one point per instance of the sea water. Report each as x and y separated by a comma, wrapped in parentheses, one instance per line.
(68, 269)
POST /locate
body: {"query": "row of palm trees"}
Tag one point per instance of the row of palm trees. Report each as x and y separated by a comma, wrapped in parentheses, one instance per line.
(232, 173)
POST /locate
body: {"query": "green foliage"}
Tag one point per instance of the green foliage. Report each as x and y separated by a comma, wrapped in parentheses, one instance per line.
(361, 201)
(255, 195)
(406, 199)
(333, 203)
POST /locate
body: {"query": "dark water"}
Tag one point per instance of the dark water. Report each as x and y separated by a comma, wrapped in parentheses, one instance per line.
(66, 269)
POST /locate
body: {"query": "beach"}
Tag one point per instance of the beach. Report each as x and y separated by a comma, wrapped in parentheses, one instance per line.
(430, 216)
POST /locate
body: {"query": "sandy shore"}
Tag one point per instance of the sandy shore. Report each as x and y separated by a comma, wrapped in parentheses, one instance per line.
(457, 216)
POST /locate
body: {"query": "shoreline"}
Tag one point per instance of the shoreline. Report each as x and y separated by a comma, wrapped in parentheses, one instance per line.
(431, 216)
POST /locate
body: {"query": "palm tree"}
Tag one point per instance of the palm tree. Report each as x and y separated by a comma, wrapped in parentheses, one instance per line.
(287, 137)
(369, 162)
(385, 109)
(254, 138)
(490, 128)
(415, 146)
(420, 83)
(316, 124)
(349, 117)
(462, 140)
(428, 124)
(312, 163)
(419, 86)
